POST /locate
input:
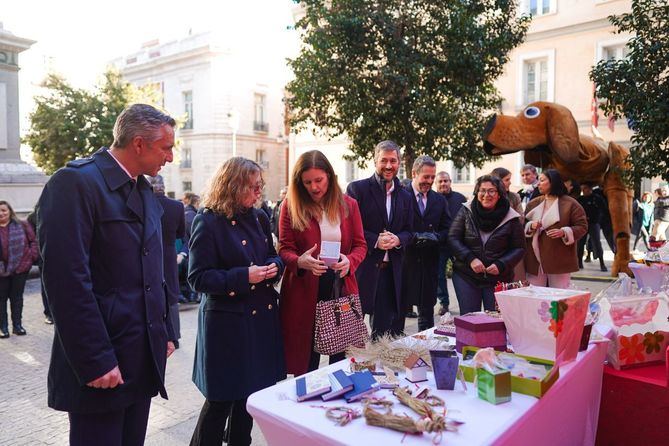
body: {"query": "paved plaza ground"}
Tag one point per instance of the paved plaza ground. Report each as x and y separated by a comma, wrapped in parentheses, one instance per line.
(25, 418)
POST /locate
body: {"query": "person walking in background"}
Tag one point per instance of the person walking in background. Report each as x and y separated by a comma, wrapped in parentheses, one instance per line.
(191, 204)
(431, 220)
(276, 212)
(233, 263)
(315, 211)
(529, 192)
(48, 319)
(486, 239)
(173, 225)
(99, 233)
(661, 214)
(594, 207)
(515, 202)
(454, 200)
(385, 209)
(19, 251)
(643, 212)
(554, 223)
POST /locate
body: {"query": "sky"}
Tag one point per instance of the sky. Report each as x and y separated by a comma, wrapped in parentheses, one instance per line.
(79, 38)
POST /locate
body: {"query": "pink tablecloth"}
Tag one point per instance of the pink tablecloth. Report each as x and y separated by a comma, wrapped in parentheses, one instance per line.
(566, 415)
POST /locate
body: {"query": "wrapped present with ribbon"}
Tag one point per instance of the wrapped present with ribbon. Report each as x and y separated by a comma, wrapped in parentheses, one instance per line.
(492, 381)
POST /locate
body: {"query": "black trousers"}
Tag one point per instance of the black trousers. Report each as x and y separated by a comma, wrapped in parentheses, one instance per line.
(125, 427)
(211, 430)
(45, 302)
(425, 314)
(593, 232)
(11, 288)
(386, 318)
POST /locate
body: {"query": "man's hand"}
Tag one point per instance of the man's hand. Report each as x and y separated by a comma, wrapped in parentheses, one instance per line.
(109, 380)
(170, 348)
(387, 240)
(180, 258)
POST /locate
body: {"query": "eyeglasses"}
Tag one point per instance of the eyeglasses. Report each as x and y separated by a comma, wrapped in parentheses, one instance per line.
(258, 187)
(488, 192)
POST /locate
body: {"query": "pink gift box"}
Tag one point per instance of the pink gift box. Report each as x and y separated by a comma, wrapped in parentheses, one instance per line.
(479, 330)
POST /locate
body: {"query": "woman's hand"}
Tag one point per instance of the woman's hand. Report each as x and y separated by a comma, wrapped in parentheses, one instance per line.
(342, 266)
(308, 262)
(535, 225)
(259, 273)
(492, 270)
(555, 233)
(477, 266)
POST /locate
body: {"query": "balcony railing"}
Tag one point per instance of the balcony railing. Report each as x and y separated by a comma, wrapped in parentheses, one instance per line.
(260, 126)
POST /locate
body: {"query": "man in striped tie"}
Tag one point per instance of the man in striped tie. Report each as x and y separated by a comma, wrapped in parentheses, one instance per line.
(431, 220)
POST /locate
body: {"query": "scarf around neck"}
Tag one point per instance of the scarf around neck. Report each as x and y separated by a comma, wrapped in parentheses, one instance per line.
(16, 242)
(488, 220)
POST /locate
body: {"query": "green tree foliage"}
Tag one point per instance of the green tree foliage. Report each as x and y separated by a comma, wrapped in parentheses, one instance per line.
(420, 72)
(638, 86)
(70, 123)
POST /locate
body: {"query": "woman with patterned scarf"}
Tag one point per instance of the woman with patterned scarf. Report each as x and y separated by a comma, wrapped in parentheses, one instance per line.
(19, 251)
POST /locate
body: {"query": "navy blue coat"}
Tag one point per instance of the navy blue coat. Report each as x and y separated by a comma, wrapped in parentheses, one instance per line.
(173, 223)
(103, 276)
(421, 263)
(239, 348)
(371, 198)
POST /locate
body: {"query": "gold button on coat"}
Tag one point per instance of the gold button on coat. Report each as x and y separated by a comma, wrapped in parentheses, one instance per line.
(244, 242)
(254, 312)
(231, 293)
(253, 287)
(269, 307)
(233, 222)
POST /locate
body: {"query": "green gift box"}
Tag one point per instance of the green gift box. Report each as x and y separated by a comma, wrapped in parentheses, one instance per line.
(526, 386)
(495, 386)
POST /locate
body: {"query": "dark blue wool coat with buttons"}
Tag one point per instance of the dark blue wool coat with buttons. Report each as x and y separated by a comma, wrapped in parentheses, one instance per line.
(103, 274)
(239, 348)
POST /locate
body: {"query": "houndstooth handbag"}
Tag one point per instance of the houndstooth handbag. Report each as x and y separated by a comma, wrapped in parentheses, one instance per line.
(339, 322)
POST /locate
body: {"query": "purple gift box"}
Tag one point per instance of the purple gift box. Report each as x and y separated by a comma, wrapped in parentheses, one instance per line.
(479, 330)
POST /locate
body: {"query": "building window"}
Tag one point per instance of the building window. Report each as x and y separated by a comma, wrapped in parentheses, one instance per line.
(536, 78)
(259, 117)
(618, 51)
(185, 158)
(351, 171)
(260, 158)
(187, 186)
(462, 175)
(188, 109)
(537, 7)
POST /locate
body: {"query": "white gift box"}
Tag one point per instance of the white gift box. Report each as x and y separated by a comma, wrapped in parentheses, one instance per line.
(544, 322)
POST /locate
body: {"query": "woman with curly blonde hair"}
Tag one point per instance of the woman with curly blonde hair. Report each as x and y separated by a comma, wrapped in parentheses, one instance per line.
(233, 263)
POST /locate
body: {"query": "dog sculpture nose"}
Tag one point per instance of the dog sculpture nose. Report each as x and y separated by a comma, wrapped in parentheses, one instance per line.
(489, 126)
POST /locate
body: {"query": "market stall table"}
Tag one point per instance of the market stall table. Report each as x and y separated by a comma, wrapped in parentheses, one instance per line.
(566, 415)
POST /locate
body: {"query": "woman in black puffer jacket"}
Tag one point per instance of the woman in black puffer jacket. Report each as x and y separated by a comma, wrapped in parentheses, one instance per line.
(487, 241)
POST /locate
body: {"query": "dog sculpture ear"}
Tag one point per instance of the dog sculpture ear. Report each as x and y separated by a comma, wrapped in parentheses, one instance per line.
(562, 133)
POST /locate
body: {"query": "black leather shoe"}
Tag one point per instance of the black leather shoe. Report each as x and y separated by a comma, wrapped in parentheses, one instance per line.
(4, 333)
(19, 330)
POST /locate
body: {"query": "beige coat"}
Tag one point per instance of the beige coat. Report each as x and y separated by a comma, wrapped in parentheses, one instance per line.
(558, 256)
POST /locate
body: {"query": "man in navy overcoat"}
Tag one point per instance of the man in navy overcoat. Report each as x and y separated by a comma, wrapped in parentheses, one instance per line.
(173, 222)
(385, 208)
(100, 238)
(431, 220)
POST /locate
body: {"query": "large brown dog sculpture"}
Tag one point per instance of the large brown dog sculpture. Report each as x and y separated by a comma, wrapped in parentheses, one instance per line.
(548, 134)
